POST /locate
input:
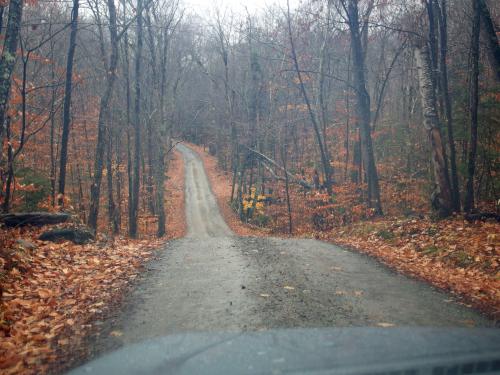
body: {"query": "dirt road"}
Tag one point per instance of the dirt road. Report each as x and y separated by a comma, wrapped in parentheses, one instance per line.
(213, 280)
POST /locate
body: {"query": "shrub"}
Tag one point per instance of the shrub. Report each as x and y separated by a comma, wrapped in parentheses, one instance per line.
(385, 234)
(39, 188)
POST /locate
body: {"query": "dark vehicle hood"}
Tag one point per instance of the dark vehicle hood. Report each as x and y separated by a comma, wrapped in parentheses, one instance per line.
(401, 351)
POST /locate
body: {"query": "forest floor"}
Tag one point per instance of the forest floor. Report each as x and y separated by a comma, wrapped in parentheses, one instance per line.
(454, 255)
(53, 295)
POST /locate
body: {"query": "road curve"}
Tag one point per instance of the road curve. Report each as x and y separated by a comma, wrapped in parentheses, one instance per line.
(213, 280)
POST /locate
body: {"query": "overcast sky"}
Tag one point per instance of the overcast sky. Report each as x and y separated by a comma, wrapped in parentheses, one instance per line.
(205, 7)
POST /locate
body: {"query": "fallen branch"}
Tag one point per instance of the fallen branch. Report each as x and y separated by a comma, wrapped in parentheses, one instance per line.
(33, 218)
(265, 159)
(482, 216)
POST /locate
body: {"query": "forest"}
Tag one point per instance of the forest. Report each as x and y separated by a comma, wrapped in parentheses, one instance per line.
(369, 123)
(392, 105)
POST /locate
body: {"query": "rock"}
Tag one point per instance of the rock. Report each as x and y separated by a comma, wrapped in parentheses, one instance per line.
(78, 236)
(33, 218)
(27, 245)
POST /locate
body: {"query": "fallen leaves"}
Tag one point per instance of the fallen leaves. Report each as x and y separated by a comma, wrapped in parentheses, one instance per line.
(44, 293)
(54, 293)
(174, 197)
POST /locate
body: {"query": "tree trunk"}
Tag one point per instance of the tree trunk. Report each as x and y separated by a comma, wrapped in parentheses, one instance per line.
(130, 177)
(104, 119)
(491, 34)
(10, 168)
(111, 202)
(119, 184)
(325, 158)
(322, 94)
(363, 109)
(134, 209)
(67, 103)
(53, 154)
(443, 33)
(474, 105)
(9, 53)
(441, 197)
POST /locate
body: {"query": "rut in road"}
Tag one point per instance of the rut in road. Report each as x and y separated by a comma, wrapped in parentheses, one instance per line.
(212, 280)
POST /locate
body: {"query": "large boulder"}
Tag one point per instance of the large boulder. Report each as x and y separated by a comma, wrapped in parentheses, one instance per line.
(79, 236)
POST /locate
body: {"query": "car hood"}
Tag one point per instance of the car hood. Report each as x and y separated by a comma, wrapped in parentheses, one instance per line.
(405, 351)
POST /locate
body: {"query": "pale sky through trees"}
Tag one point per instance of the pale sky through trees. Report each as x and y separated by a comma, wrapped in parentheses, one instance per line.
(205, 7)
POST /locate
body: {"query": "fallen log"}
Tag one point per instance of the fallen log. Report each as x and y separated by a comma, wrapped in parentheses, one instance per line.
(482, 216)
(33, 218)
(79, 236)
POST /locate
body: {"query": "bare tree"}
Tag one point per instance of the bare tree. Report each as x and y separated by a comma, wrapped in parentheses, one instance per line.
(441, 197)
(363, 105)
(103, 120)
(474, 105)
(134, 208)
(325, 158)
(67, 102)
(8, 58)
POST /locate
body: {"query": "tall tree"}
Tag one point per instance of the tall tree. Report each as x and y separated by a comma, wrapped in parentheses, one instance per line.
(363, 105)
(325, 158)
(103, 120)
(8, 58)
(492, 37)
(134, 208)
(445, 92)
(441, 197)
(474, 105)
(67, 102)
